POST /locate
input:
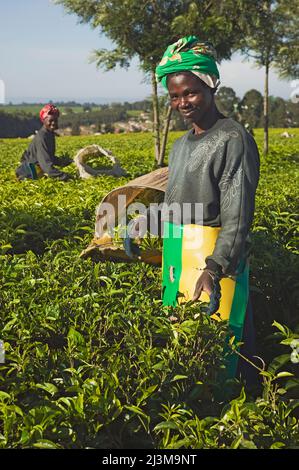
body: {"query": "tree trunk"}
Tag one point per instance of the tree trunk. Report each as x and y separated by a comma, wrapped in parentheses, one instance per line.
(156, 123)
(164, 136)
(266, 110)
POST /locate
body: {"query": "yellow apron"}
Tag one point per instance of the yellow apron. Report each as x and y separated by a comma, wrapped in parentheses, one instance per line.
(185, 248)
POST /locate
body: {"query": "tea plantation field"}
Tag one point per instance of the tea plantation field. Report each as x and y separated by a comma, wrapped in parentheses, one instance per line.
(91, 356)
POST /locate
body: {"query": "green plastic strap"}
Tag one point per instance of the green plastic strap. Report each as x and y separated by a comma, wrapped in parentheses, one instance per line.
(172, 262)
(237, 315)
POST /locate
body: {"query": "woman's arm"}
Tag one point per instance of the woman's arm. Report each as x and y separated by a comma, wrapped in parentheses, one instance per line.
(237, 188)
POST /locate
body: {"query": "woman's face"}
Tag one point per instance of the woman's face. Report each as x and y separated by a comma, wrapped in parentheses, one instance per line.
(51, 123)
(189, 96)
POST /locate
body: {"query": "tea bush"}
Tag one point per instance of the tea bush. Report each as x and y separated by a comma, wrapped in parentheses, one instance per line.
(92, 359)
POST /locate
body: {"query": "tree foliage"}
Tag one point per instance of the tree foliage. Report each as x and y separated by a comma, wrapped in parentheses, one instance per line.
(145, 28)
(271, 35)
(227, 101)
(141, 28)
(251, 108)
(271, 39)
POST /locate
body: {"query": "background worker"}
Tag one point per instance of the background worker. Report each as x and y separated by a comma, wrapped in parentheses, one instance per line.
(40, 157)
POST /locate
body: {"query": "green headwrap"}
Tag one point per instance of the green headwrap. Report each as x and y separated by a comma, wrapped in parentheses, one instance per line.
(189, 53)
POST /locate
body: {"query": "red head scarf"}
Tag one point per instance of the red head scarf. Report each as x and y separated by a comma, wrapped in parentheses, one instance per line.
(48, 110)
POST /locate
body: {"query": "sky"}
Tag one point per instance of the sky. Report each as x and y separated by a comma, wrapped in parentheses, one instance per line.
(44, 55)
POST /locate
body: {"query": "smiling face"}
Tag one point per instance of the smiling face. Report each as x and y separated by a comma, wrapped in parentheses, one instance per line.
(51, 123)
(190, 96)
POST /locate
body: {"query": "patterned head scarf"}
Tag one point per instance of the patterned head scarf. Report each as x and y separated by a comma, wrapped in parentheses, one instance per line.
(189, 54)
(48, 110)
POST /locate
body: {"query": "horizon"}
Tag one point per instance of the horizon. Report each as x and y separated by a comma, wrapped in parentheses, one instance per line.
(96, 100)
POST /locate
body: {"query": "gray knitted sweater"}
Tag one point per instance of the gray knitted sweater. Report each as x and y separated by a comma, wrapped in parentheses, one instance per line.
(219, 169)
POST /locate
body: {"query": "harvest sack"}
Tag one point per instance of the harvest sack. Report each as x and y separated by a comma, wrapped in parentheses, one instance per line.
(147, 189)
(86, 171)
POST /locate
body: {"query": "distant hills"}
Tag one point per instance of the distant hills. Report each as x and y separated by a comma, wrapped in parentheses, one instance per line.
(80, 118)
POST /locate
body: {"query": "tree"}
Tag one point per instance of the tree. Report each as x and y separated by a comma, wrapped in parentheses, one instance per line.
(271, 39)
(227, 101)
(251, 108)
(87, 108)
(144, 28)
(18, 125)
(135, 28)
(277, 115)
(292, 112)
(76, 128)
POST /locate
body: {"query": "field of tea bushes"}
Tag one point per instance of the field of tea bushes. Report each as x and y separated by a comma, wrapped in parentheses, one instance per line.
(91, 356)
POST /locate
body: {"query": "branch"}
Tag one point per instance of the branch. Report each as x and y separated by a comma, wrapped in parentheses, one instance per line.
(208, 7)
(108, 60)
(257, 58)
(84, 10)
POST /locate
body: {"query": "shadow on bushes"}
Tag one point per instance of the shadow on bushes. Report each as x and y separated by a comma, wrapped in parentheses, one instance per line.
(32, 231)
(274, 290)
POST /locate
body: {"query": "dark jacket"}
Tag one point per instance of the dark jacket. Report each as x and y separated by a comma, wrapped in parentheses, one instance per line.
(41, 151)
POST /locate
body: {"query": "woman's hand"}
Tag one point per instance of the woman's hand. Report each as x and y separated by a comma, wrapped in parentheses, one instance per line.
(136, 229)
(209, 282)
(204, 283)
